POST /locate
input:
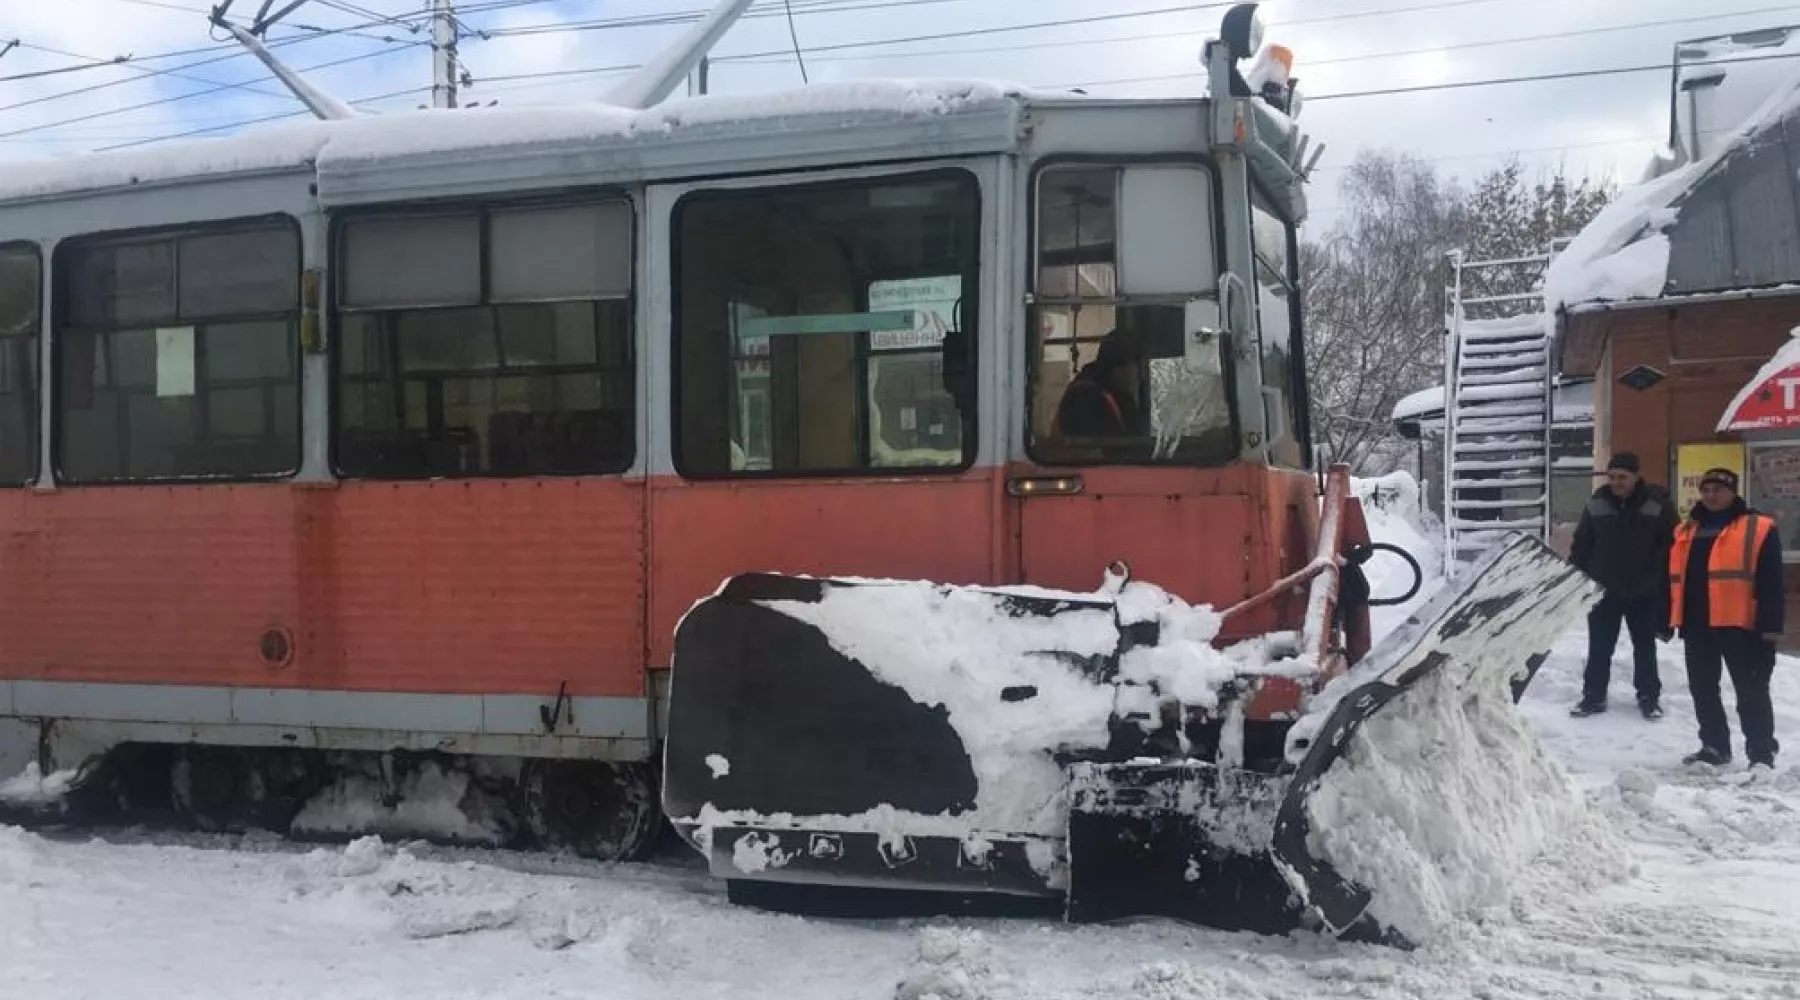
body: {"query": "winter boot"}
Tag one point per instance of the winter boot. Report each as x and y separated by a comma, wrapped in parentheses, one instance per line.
(1587, 708)
(1651, 707)
(1708, 756)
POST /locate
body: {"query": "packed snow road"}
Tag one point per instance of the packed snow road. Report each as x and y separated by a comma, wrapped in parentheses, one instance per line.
(1672, 886)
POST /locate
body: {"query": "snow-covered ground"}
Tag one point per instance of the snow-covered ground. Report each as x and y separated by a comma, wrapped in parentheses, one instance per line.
(1702, 900)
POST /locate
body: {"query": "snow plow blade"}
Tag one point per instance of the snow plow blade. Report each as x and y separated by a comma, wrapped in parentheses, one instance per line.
(1491, 629)
(898, 738)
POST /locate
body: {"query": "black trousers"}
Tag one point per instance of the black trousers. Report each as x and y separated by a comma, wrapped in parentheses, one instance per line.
(1639, 615)
(1752, 664)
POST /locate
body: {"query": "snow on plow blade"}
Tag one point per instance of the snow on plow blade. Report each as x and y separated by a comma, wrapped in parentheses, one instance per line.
(1069, 748)
(1482, 638)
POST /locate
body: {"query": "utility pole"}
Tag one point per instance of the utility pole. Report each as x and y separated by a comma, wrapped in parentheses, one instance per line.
(444, 68)
(697, 79)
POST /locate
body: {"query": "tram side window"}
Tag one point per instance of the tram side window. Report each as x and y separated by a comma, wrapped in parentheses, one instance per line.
(1123, 253)
(20, 295)
(178, 355)
(827, 328)
(486, 341)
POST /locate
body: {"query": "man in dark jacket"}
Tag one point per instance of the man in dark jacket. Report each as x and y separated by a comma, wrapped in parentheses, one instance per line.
(1622, 542)
(1102, 401)
(1727, 596)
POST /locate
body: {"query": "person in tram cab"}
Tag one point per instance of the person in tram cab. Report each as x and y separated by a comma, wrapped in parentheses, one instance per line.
(1727, 596)
(1622, 541)
(1102, 400)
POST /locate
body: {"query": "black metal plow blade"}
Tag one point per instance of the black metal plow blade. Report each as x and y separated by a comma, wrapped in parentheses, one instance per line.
(1187, 840)
(789, 763)
(1492, 626)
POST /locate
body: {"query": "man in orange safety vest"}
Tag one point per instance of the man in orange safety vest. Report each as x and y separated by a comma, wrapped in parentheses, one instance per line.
(1726, 596)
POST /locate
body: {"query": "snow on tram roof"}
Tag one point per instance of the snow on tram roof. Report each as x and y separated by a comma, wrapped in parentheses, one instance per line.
(320, 144)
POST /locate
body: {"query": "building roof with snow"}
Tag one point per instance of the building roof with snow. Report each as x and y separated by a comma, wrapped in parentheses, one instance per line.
(1572, 407)
(1721, 209)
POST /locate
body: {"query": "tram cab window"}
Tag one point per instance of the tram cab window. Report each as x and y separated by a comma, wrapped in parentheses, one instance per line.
(1277, 308)
(827, 328)
(20, 294)
(1122, 255)
(486, 341)
(178, 354)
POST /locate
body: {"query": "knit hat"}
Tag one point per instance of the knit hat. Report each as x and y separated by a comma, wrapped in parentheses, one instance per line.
(1624, 460)
(1720, 477)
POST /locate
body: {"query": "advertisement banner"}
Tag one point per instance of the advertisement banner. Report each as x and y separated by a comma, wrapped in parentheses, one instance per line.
(1692, 461)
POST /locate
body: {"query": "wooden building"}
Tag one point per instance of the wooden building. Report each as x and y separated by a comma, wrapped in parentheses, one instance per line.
(1677, 299)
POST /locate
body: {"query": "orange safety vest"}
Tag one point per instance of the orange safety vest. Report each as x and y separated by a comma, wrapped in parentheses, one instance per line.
(1730, 571)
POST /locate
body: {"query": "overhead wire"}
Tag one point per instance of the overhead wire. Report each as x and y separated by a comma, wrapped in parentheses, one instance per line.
(125, 64)
(1426, 88)
(254, 121)
(1380, 92)
(1077, 21)
(794, 34)
(237, 52)
(93, 116)
(1330, 60)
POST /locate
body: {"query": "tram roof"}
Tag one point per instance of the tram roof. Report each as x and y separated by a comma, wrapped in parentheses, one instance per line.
(380, 156)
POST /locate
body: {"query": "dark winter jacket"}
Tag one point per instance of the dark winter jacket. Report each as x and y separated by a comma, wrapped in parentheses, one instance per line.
(1624, 544)
(1771, 583)
(1089, 409)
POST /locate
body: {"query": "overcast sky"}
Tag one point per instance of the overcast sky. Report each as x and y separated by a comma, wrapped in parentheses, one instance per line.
(1601, 125)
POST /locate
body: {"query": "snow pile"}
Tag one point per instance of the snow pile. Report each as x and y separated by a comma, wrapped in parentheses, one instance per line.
(850, 98)
(1445, 793)
(1183, 664)
(18, 857)
(328, 144)
(32, 788)
(373, 885)
(1440, 804)
(1787, 356)
(960, 648)
(1623, 253)
(434, 802)
(1183, 981)
(951, 964)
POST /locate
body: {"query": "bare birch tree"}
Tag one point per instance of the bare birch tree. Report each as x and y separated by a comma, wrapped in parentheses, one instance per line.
(1374, 283)
(1374, 300)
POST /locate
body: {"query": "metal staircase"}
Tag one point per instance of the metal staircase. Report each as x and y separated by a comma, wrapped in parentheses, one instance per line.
(1497, 405)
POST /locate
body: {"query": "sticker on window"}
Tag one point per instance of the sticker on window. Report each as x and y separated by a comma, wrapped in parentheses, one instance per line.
(175, 361)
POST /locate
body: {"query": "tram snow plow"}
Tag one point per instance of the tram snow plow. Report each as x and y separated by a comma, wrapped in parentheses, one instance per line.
(1090, 751)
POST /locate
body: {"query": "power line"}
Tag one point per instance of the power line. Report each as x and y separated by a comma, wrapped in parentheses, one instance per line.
(1577, 74)
(801, 7)
(123, 62)
(794, 33)
(1425, 88)
(200, 93)
(163, 5)
(253, 121)
(1333, 60)
(546, 74)
(236, 53)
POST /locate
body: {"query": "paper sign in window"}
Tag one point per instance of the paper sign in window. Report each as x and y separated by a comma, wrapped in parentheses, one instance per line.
(175, 361)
